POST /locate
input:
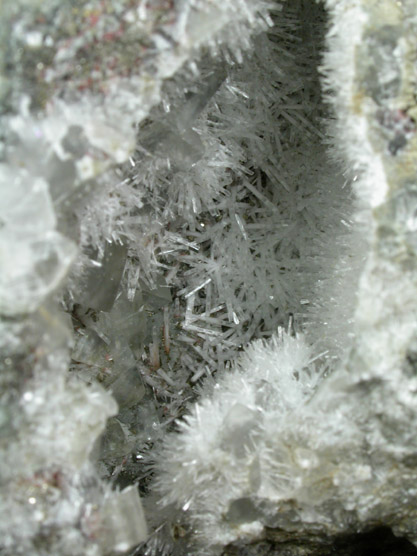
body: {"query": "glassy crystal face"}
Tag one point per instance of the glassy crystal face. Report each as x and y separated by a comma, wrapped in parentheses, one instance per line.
(122, 521)
(35, 258)
(37, 267)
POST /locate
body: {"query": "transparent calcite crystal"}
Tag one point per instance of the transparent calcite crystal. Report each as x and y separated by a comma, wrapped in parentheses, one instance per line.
(36, 267)
(122, 521)
(34, 256)
(102, 281)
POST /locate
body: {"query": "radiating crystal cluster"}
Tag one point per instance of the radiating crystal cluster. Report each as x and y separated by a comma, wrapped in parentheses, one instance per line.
(208, 281)
(281, 445)
(77, 78)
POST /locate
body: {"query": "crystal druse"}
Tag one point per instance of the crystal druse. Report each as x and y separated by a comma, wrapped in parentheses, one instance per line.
(208, 285)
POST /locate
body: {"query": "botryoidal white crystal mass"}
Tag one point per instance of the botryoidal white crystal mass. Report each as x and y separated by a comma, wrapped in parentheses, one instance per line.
(208, 275)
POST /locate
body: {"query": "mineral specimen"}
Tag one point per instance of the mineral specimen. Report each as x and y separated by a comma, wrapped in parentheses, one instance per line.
(208, 284)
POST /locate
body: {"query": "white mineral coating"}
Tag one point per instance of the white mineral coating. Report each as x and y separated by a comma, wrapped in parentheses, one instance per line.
(80, 418)
(53, 420)
(53, 500)
(49, 425)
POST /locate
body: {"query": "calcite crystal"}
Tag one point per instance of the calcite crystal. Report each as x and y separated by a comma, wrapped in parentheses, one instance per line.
(208, 285)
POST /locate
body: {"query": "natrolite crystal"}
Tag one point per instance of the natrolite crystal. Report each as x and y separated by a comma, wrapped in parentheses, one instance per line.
(208, 284)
